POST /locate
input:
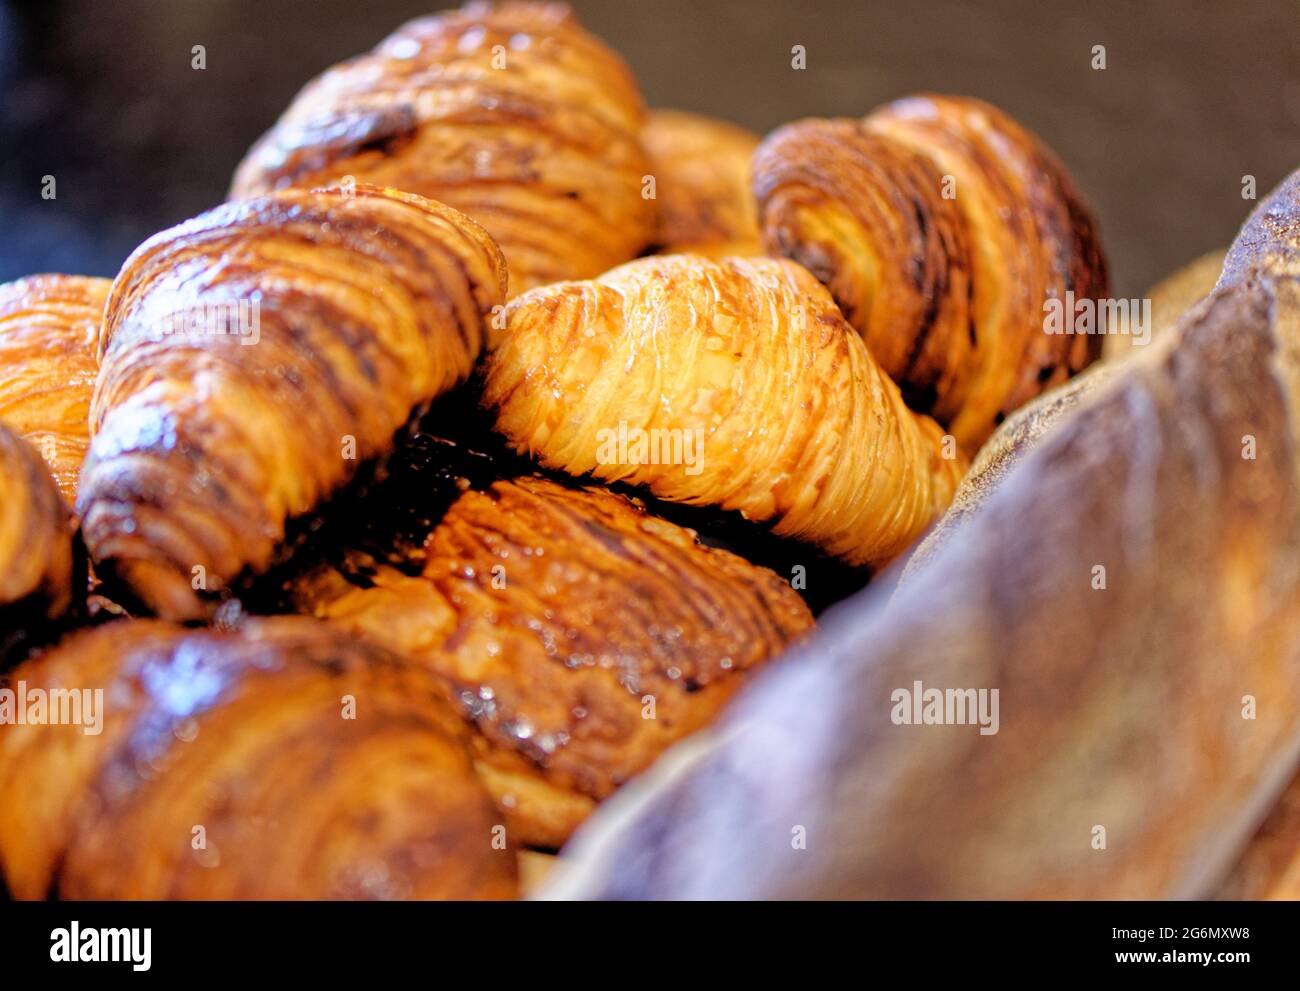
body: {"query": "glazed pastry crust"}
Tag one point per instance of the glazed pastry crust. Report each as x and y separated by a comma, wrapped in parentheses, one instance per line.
(701, 170)
(795, 423)
(941, 226)
(562, 617)
(243, 735)
(371, 302)
(36, 552)
(47, 326)
(514, 115)
(866, 215)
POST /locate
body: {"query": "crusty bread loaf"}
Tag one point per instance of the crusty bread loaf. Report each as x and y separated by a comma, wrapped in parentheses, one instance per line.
(1130, 589)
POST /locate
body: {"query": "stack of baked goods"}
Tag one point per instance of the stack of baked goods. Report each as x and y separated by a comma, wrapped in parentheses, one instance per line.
(495, 433)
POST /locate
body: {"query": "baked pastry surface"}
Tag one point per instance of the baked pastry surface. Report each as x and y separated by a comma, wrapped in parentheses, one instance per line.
(583, 636)
(703, 198)
(511, 113)
(253, 358)
(40, 569)
(941, 227)
(229, 766)
(728, 382)
(48, 325)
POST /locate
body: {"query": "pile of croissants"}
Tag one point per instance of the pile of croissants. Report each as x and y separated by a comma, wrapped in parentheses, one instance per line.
(346, 654)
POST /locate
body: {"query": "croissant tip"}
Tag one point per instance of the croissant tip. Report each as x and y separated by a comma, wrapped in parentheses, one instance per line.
(163, 591)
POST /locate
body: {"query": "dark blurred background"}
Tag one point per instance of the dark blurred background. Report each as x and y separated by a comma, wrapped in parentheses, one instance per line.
(1196, 94)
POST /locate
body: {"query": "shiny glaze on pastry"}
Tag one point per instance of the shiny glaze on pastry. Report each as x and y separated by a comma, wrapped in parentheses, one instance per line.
(226, 766)
(702, 189)
(748, 360)
(38, 565)
(583, 636)
(514, 115)
(47, 367)
(941, 226)
(370, 303)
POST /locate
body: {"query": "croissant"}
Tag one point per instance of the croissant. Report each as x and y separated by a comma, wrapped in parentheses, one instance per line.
(734, 383)
(513, 114)
(281, 761)
(222, 334)
(941, 227)
(583, 637)
(701, 170)
(47, 325)
(38, 565)
(1145, 645)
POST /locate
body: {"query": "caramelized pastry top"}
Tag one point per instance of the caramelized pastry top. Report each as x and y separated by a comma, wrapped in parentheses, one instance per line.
(733, 382)
(284, 761)
(35, 533)
(583, 635)
(47, 367)
(513, 114)
(253, 357)
(942, 227)
(701, 170)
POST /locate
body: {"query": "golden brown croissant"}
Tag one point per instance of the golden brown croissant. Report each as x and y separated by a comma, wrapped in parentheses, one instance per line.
(941, 227)
(583, 635)
(732, 382)
(39, 569)
(514, 114)
(282, 761)
(48, 324)
(252, 357)
(701, 170)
